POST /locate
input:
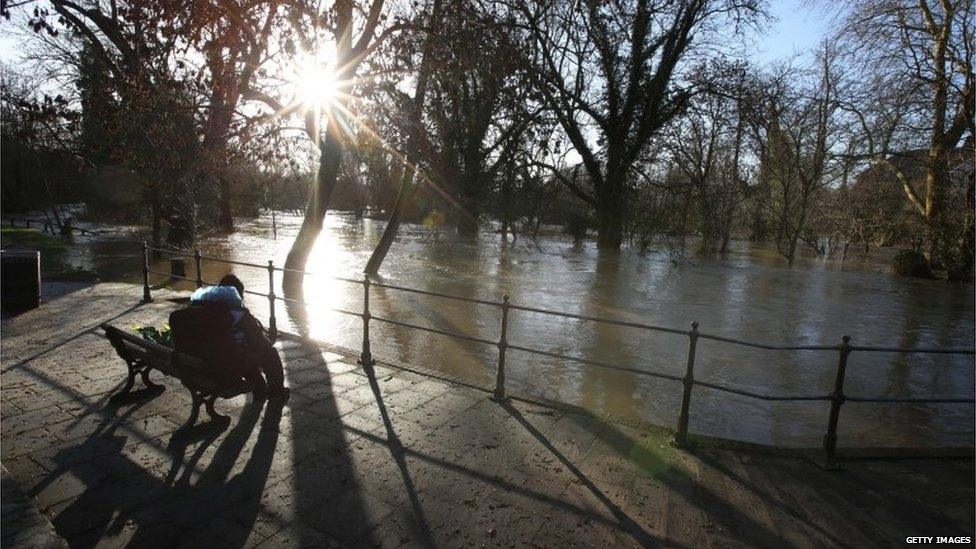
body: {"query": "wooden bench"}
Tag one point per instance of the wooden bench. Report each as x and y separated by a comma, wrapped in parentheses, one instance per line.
(142, 356)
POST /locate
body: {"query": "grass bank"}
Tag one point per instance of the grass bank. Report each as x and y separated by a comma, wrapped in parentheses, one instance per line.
(54, 262)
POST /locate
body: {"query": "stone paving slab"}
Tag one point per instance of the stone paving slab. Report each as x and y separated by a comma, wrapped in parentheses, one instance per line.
(391, 458)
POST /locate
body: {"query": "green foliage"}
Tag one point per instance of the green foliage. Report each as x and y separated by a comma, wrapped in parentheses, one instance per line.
(162, 335)
(911, 263)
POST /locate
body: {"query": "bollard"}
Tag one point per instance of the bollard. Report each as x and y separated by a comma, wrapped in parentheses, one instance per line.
(197, 261)
(177, 267)
(272, 322)
(681, 435)
(837, 399)
(499, 393)
(146, 297)
(366, 358)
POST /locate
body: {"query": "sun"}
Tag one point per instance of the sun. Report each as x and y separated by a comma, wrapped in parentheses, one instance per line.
(316, 84)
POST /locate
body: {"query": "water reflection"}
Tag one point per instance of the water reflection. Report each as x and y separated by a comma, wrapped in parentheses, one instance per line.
(750, 295)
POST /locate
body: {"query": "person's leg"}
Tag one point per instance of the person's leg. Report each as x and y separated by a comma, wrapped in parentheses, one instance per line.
(270, 364)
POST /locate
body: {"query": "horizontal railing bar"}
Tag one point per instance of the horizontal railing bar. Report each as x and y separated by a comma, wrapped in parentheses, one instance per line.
(310, 273)
(171, 251)
(911, 400)
(595, 363)
(603, 320)
(434, 330)
(757, 395)
(232, 262)
(435, 294)
(301, 302)
(160, 273)
(921, 350)
(769, 347)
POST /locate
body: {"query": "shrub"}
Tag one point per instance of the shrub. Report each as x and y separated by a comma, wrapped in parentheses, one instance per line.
(577, 226)
(911, 263)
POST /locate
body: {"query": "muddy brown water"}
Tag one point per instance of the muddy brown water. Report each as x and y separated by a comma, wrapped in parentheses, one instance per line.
(750, 294)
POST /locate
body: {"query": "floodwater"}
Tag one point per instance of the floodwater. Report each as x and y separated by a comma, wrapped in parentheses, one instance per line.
(750, 294)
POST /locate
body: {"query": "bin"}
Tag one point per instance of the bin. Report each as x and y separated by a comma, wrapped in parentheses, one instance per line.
(20, 279)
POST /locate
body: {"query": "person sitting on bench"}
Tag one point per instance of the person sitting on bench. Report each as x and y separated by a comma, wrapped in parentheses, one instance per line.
(217, 328)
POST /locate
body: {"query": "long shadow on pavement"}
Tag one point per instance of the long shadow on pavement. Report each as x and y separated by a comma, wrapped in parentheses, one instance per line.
(327, 502)
(131, 499)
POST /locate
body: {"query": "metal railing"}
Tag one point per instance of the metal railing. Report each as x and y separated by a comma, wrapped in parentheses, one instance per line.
(837, 397)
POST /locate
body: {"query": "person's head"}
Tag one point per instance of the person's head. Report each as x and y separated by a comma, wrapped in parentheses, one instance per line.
(231, 280)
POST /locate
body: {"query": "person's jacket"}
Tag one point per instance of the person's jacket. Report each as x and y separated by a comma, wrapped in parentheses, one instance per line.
(217, 328)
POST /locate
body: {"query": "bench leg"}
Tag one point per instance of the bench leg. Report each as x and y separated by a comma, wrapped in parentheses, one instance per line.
(213, 412)
(148, 382)
(129, 382)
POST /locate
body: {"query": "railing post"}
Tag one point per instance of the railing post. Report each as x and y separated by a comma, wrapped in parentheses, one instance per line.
(272, 321)
(837, 399)
(196, 259)
(499, 393)
(681, 435)
(366, 358)
(146, 297)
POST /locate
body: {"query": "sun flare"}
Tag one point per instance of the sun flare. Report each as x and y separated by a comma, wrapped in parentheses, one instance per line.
(316, 85)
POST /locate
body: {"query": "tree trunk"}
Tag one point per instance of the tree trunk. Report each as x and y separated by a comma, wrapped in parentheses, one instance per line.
(934, 198)
(610, 234)
(392, 225)
(330, 156)
(611, 213)
(467, 223)
(406, 177)
(226, 218)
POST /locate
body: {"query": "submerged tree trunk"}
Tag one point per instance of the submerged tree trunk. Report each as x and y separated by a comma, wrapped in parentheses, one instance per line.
(610, 211)
(330, 157)
(407, 175)
(610, 231)
(392, 225)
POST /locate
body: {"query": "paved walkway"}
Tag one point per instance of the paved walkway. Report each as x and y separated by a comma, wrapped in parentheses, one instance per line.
(394, 458)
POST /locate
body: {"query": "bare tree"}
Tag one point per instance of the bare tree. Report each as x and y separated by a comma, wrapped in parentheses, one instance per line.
(609, 72)
(797, 130)
(707, 145)
(921, 96)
